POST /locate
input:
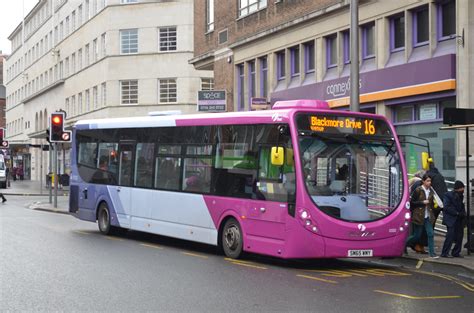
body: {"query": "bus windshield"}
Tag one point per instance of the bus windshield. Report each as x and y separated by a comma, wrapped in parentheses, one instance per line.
(351, 166)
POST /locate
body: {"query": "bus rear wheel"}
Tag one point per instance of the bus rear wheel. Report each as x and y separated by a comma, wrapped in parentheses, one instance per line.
(232, 242)
(103, 219)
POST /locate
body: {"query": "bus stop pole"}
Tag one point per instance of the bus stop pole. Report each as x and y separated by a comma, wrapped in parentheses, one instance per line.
(55, 173)
(50, 170)
(41, 168)
(468, 195)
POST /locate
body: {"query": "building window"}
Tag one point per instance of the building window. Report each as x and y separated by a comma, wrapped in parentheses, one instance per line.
(95, 51)
(86, 55)
(103, 93)
(446, 20)
(167, 38)
(129, 41)
(240, 87)
(207, 84)
(79, 59)
(73, 105)
(295, 61)
(86, 11)
(129, 91)
(368, 43)
(331, 51)
(73, 21)
(347, 47)
(79, 103)
(309, 57)
(168, 90)
(209, 15)
(252, 80)
(397, 33)
(403, 114)
(421, 27)
(103, 45)
(79, 15)
(249, 6)
(263, 76)
(281, 66)
(95, 97)
(88, 101)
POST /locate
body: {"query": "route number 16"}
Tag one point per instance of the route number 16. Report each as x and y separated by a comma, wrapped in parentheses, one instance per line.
(369, 127)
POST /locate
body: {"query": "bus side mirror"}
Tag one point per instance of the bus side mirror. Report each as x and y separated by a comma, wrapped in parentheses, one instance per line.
(278, 156)
(425, 160)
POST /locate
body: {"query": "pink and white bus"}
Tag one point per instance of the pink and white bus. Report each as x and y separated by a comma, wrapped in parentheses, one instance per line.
(297, 181)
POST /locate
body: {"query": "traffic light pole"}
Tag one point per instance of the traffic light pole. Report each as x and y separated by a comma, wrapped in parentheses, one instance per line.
(50, 169)
(55, 173)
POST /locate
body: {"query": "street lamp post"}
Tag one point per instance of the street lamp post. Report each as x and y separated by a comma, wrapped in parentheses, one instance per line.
(355, 55)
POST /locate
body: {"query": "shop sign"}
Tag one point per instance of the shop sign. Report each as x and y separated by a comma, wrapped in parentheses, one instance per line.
(211, 101)
(428, 111)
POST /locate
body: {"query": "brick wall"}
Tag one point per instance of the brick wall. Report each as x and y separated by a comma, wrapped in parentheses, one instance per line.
(225, 16)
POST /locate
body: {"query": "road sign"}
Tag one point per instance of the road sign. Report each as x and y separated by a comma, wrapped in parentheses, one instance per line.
(5, 144)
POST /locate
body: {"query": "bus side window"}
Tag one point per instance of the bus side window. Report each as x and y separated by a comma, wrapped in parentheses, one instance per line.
(275, 183)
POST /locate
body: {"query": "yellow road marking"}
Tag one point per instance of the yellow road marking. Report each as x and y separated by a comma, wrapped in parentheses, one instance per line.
(416, 298)
(196, 255)
(419, 264)
(113, 238)
(150, 246)
(81, 232)
(465, 285)
(241, 261)
(248, 265)
(359, 273)
(318, 279)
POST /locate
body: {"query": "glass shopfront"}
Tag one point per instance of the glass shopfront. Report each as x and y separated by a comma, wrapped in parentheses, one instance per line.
(424, 120)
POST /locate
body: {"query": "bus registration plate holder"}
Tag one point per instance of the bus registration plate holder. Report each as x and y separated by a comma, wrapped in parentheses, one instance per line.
(360, 253)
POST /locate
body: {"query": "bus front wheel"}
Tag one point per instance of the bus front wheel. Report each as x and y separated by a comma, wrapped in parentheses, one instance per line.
(103, 219)
(232, 242)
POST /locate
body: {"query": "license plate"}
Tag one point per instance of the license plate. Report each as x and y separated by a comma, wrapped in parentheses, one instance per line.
(359, 253)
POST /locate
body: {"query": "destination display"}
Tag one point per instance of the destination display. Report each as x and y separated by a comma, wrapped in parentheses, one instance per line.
(328, 123)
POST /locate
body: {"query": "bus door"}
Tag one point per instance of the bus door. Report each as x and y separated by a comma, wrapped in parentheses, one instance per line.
(125, 173)
(275, 189)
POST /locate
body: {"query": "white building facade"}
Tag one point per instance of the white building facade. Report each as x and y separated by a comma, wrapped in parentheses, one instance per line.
(96, 59)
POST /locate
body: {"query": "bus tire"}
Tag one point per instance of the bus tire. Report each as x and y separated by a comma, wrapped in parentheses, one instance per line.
(103, 219)
(232, 241)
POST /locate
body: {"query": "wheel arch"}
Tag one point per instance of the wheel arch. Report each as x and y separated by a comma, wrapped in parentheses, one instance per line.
(225, 217)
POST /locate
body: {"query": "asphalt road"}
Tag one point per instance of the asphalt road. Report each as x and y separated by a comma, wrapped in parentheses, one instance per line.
(54, 262)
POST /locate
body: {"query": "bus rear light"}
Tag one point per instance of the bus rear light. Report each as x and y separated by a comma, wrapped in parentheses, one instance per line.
(407, 205)
(407, 215)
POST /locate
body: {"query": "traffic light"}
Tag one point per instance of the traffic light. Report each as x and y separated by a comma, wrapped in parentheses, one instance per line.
(3, 143)
(56, 126)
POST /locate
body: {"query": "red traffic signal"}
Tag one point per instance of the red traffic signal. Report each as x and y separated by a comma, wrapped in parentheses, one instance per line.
(57, 133)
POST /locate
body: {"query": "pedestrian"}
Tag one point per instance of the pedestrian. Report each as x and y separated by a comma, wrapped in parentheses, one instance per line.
(422, 204)
(20, 172)
(414, 183)
(14, 171)
(454, 217)
(3, 198)
(439, 185)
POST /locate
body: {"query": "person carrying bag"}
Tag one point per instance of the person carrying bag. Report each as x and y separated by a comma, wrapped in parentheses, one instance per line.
(423, 215)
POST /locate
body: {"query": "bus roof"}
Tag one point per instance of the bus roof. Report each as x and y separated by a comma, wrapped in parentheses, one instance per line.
(281, 113)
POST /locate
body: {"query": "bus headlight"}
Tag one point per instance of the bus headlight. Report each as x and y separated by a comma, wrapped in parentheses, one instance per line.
(407, 215)
(304, 214)
(314, 229)
(407, 205)
(406, 224)
(308, 222)
(401, 228)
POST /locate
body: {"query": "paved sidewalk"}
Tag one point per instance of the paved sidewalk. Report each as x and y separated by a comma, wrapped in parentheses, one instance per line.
(30, 188)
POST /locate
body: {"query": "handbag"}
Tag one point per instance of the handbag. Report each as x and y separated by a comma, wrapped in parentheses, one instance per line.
(437, 200)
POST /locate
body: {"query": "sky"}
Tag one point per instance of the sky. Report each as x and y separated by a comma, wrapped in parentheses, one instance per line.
(11, 14)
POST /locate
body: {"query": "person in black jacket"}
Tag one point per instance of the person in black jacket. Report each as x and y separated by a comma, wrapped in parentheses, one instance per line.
(453, 217)
(438, 183)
